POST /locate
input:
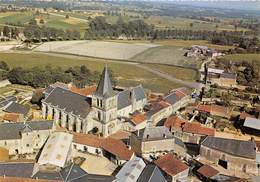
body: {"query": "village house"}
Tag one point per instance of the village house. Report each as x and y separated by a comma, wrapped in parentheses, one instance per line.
(186, 131)
(205, 172)
(252, 125)
(87, 143)
(16, 108)
(116, 151)
(136, 121)
(153, 141)
(168, 105)
(24, 138)
(131, 170)
(234, 155)
(151, 173)
(227, 80)
(214, 110)
(100, 110)
(174, 169)
(56, 153)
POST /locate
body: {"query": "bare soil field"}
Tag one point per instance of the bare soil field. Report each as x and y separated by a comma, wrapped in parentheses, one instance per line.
(98, 49)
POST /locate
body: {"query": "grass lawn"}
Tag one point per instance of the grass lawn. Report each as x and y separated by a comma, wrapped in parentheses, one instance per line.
(243, 57)
(169, 55)
(178, 72)
(127, 75)
(15, 17)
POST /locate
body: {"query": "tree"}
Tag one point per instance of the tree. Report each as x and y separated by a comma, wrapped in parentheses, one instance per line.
(67, 16)
(33, 22)
(6, 31)
(4, 66)
(42, 21)
(37, 97)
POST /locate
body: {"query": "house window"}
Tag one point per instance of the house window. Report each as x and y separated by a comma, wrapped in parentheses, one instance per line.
(5, 143)
(244, 168)
(85, 149)
(38, 136)
(27, 145)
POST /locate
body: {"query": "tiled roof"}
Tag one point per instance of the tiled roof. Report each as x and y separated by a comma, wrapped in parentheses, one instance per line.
(185, 126)
(117, 148)
(11, 117)
(16, 169)
(243, 115)
(238, 148)
(87, 139)
(84, 91)
(213, 109)
(137, 118)
(170, 165)
(151, 173)
(176, 95)
(120, 135)
(207, 171)
(156, 107)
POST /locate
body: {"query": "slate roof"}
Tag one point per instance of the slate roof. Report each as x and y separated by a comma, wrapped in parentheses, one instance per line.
(16, 169)
(123, 99)
(14, 107)
(9, 131)
(151, 173)
(225, 178)
(138, 92)
(238, 148)
(176, 95)
(252, 123)
(72, 102)
(104, 88)
(151, 133)
(6, 100)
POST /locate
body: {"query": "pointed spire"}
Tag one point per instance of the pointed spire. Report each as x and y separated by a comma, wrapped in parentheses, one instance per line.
(104, 88)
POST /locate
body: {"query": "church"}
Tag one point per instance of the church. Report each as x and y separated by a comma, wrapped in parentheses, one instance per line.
(101, 110)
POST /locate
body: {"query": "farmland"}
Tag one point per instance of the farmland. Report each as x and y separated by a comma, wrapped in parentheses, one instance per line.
(169, 55)
(243, 57)
(126, 75)
(99, 49)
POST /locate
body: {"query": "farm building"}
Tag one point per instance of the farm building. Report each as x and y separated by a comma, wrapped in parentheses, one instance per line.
(234, 155)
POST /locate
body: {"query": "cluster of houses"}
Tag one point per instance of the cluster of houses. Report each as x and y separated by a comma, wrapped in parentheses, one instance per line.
(202, 51)
(167, 138)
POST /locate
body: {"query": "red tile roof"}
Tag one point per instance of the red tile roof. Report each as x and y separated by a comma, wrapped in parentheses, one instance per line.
(207, 171)
(120, 135)
(213, 109)
(11, 117)
(87, 139)
(137, 118)
(197, 129)
(174, 122)
(84, 91)
(117, 148)
(243, 115)
(170, 165)
(204, 108)
(185, 126)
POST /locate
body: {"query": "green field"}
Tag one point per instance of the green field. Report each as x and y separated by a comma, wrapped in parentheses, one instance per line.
(169, 55)
(127, 75)
(243, 57)
(178, 72)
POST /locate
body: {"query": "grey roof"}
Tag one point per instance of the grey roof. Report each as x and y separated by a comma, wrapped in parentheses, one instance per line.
(9, 131)
(151, 133)
(16, 169)
(228, 75)
(138, 92)
(14, 107)
(224, 178)
(172, 97)
(252, 123)
(6, 100)
(104, 88)
(151, 173)
(72, 173)
(123, 99)
(179, 142)
(69, 101)
(239, 148)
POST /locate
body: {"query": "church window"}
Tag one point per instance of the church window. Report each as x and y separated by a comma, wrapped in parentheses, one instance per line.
(99, 115)
(98, 102)
(101, 103)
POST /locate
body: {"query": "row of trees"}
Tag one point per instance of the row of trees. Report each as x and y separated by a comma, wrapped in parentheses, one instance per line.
(137, 29)
(37, 33)
(37, 77)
